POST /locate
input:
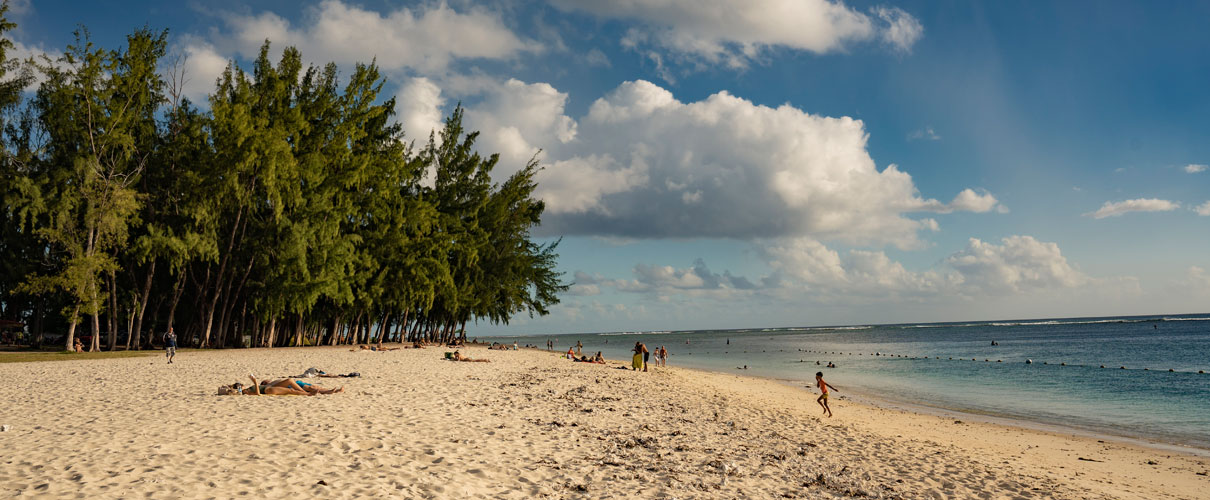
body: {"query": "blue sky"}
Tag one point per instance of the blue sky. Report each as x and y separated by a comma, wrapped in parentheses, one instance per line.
(716, 163)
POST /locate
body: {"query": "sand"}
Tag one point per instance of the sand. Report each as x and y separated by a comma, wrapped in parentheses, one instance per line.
(526, 425)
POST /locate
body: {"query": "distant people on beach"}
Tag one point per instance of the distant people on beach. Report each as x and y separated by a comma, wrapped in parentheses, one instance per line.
(377, 348)
(79, 346)
(457, 356)
(170, 345)
(599, 358)
(579, 348)
(823, 389)
(641, 348)
(641, 354)
(571, 353)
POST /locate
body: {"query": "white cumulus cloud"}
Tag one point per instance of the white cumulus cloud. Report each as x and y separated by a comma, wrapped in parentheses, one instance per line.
(1194, 168)
(1203, 209)
(1018, 263)
(734, 32)
(643, 164)
(202, 65)
(517, 119)
(426, 38)
(419, 107)
(901, 30)
(968, 200)
(805, 268)
(1115, 209)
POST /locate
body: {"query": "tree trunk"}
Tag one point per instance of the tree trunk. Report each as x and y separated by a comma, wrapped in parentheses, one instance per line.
(218, 279)
(130, 325)
(95, 344)
(272, 332)
(144, 298)
(38, 311)
(401, 327)
(298, 331)
(382, 329)
(176, 299)
(113, 312)
(71, 329)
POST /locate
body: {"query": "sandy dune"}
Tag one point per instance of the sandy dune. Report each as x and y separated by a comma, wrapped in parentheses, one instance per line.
(527, 425)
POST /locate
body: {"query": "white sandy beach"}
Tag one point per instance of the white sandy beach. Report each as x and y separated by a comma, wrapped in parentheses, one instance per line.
(528, 424)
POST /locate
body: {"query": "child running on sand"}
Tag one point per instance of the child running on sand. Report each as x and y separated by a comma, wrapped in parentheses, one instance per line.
(823, 398)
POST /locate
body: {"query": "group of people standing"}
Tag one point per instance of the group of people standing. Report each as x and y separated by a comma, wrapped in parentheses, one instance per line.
(642, 356)
(640, 361)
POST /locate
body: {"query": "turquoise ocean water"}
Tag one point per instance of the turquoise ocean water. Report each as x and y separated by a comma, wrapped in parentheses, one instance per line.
(931, 365)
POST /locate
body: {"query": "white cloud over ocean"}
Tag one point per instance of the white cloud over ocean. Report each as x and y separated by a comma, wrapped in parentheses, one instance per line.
(1119, 208)
(1203, 209)
(806, 269)
(643, 164)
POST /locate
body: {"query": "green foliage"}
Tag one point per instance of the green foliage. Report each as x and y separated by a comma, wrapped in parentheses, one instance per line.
(291, 212)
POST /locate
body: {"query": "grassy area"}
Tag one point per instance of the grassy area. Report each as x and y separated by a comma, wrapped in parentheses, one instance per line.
(34, 356)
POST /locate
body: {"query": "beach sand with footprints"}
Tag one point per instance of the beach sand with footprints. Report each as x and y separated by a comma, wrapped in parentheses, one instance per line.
(527, 425)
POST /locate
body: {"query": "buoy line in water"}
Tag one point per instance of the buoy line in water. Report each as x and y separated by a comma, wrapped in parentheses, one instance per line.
(985, 360)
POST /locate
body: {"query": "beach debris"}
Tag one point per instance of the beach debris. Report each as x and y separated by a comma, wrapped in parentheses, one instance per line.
(1088, 459)
(958, 422)
(1152, 462)
(4, 428)
(321, 482)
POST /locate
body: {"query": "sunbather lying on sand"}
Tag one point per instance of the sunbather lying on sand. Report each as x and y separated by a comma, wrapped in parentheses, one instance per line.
(281, 387)
(457, 356)
(376, 348)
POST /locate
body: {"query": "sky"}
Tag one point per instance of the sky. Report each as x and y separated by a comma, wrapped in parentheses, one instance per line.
(769, 163)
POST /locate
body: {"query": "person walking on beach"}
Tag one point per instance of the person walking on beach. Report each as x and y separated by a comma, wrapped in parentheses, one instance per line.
(642, 348)
(663, 356)
(170, 345)
(640, 356)
(823, 388)
(579, 347)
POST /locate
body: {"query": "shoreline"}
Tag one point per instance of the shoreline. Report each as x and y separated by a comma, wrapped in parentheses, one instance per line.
(1020, 422)
(529, 424)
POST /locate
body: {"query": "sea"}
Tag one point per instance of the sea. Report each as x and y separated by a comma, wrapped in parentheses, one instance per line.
(1138, 377)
